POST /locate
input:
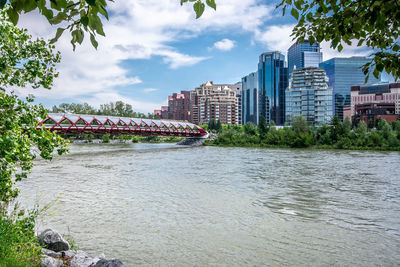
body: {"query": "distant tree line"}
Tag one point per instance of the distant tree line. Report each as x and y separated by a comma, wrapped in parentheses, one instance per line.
(118, 108)
(339, 135)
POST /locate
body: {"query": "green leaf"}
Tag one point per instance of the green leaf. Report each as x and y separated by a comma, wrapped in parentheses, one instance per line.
(2, 3)
(85, 20)
(379, 67)
(103, 11)
(91, 2)
(29, 5)
(376, 73)
(295, 13)
(340, 47)
(93, 41)
(48, 13)
(13, 15)
(199, 8)
(183, 1)
(58, 34)
(211, 3)
(61, 16)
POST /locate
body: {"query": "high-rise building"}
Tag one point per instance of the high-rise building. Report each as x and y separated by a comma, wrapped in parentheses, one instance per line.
(179, 106)
(272, 82)
(250, 98)
(214, 102)
(373, 101)
(344, 73)
(303, 55)
(237, 87)
(308, 95)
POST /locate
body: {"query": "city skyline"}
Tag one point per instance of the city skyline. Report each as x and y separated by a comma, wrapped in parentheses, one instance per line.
(141, 61)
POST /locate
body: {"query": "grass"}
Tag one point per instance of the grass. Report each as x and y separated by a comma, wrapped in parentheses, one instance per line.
(18, 244)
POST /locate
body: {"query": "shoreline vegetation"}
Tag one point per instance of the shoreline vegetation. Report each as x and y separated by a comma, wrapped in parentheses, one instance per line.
(379, 136)
(107, 138)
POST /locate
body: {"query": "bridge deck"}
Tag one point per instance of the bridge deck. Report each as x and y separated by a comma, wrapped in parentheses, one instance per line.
(77, 124)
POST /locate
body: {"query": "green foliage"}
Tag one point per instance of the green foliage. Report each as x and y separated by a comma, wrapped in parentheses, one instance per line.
(19, 136)
(79, 16)
(18, 242)
(338, 135)
(24, 61)
(199, 6)
(250, 128)
(375, 24)
(106, 138)
(151, 139)
(299, 125)
(214, 125)
(263, 128)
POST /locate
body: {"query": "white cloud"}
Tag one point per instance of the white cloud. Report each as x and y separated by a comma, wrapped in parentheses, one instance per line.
(149, 90)
(224, 45)
(276, 37)
(138, 29)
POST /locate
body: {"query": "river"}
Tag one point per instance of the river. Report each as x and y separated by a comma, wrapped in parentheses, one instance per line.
(165, 205)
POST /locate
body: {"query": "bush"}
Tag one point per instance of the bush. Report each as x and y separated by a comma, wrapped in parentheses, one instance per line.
(106, 138)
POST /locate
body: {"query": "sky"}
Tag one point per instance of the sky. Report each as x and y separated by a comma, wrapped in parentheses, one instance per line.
(154, 48)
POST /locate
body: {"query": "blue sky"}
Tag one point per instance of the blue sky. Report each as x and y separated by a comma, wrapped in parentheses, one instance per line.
(154, 48)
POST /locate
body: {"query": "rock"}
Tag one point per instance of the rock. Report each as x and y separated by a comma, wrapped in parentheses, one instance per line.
(51, 262)
(51, 253)
(81, 259)
(109, 263)
(53, 241)
(69, 254)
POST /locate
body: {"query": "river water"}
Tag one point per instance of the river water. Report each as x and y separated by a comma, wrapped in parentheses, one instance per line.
(160, 204)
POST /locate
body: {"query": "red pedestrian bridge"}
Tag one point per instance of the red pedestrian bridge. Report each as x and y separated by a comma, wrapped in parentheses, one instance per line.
(74, 124)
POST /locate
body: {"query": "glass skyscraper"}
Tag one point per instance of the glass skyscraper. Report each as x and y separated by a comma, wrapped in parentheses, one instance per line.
(304, 55)
(272, 83)
(250, 98)
(309, 96)
(344, 73)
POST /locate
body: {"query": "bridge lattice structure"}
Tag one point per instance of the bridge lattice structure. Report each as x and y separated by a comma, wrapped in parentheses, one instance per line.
(75, 124)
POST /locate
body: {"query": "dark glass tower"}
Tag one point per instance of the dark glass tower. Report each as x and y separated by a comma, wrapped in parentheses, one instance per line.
(272, 83)
(344, 73)
(250, 98)
(303, 55)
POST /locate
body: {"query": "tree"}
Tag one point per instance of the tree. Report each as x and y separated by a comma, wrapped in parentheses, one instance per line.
(263, 128)
(373, 23)
(80, 16)
(299, 125)
(23, 62)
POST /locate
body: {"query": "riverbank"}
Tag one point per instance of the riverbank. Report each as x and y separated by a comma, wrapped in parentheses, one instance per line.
(57, 252)
(314, 147)
(338, 135)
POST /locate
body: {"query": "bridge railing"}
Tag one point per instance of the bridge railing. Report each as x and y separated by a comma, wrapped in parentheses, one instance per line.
(77, 124)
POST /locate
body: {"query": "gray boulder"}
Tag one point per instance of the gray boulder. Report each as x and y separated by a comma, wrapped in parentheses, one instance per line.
(81, 259)
(109, 263)
(69, 254)
(51, 253)
(51, 262)
(53, 241)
